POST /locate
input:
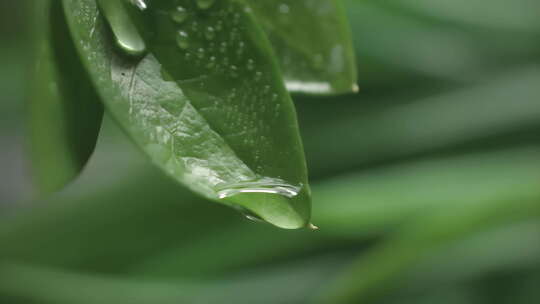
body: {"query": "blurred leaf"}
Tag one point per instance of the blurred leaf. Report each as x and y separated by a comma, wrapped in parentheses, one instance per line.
(295, 283)
(495, 266)
(504, 106)
(521, 16)
(221, 123)
(414, 43)
(64, 111)
(378, 200)
(377, 271)
(247, 245)
(313, 42)
(112, 227)
(510, 247)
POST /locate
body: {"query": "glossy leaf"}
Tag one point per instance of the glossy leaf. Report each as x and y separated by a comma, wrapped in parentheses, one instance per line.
(206, 103)
(313, 42)
(64, 111)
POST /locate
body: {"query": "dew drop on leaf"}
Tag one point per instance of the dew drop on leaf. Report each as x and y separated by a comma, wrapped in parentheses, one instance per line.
(126, 35)
(210, 33)
(182, 39)
(179, 15)
(141, 4)
(205, 4)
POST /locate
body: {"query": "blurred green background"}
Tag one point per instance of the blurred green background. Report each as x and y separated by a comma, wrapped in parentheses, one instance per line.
(426, 183)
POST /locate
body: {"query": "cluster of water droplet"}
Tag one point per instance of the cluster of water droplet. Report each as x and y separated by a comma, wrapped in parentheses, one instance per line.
(216, 45)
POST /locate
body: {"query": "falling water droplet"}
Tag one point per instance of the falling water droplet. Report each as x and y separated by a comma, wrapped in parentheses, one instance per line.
(179, 15)
(182, 40)
(125, 33)
(205, 4)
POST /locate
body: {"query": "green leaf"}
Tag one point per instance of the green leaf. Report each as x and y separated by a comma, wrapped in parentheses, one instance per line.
(64, 112)
(206, 102)
(313, 42)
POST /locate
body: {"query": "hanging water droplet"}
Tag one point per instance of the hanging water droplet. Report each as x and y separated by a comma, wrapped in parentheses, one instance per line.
(313, 227)
(205, 4)
(179, 15)
(266, 185)
(282, 196)
(125, 33)
(219, 25)
(182, 40)
(247, 214)
(251, 216)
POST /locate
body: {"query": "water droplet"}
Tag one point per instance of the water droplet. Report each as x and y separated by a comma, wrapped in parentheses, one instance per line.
(223, 47)
(313, 227)
(258, 75)
(284, 8)
(182, 39)
(141, 4)
(211, 62)
(236, 18)
(125, 33)
(247, 214)
(257, 196)
(234, 71)
(250, 64)
(219, 25)
(270, 186)
(205, 4)
(200, 53)
(210, 33)
(179, 15)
